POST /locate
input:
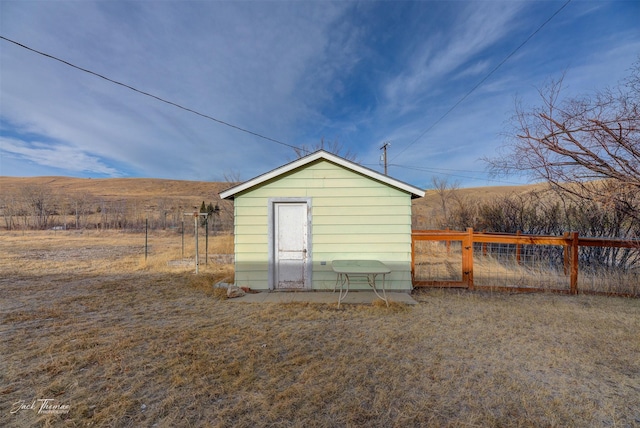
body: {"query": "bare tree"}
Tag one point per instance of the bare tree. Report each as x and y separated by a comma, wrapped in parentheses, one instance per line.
(446, 192)
(334, 147)
(164, 207)
(586, 146)
(80, 206)
(232, 177)
(40, 201)
(10, 207)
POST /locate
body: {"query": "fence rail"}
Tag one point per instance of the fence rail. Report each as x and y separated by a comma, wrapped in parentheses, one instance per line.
(561, 254)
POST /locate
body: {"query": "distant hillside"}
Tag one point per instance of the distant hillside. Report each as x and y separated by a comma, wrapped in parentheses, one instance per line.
(182, 195)
(153, 188)
(429, 207)
(144, 190)
(109, 202)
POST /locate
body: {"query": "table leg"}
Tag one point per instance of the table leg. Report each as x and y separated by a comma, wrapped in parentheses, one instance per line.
(343, 277)
(372, 282)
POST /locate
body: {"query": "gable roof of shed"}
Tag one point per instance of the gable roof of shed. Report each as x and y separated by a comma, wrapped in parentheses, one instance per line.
(321, 154)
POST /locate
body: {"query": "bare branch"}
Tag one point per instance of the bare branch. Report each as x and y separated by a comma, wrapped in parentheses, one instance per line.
(575, 141)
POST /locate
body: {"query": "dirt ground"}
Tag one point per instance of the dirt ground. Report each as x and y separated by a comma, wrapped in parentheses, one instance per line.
(91, 334)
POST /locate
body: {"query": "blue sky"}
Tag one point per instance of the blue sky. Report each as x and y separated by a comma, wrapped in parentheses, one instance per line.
(360, 73)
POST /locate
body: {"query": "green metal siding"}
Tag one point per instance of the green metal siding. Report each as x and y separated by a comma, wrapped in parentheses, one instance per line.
(353, 217)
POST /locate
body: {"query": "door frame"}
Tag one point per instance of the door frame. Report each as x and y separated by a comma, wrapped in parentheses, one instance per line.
(271, 218)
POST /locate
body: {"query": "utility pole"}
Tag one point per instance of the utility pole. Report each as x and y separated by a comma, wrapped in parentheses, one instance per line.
(384, 155)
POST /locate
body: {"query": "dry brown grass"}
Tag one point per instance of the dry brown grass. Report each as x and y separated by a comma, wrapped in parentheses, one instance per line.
(146, 190)
(128, 343)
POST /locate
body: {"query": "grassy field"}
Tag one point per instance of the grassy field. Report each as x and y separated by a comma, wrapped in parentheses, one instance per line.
(117, 341)
(168, 199)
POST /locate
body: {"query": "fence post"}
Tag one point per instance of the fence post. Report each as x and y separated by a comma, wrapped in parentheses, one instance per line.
(146, 237)
(467, 259)
(206, 242)
(566, 253)
(413, 258)
(574, 262)
(196, 217)
(448, 244)
(518, 233)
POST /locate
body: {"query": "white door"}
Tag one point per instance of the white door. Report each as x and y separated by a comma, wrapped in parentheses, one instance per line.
(290, 245)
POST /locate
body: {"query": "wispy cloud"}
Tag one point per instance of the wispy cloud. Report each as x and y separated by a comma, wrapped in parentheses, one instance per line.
(476, 27)
(358, 72)
(58, 156)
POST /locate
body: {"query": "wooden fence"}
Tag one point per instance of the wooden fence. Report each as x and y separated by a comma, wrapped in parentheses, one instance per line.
(570, 243)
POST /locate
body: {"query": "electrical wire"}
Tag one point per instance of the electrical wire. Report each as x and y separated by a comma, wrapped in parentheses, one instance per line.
(438, 171)
(206, 116)
(483, 80)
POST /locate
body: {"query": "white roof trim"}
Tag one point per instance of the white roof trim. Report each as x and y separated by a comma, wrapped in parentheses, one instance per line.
(321, 154)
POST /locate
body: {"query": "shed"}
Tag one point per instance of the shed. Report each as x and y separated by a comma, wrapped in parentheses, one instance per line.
(292, 222)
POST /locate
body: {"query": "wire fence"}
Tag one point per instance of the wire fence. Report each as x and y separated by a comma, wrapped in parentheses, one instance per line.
(566, 264)
(529, 266)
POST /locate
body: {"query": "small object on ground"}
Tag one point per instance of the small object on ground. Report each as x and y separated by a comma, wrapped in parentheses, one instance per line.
(248, 290)
(234, 291)
(221, 284)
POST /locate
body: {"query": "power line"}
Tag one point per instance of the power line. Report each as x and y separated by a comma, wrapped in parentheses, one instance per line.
(438, 171)
(206, 116)
(483, 79)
